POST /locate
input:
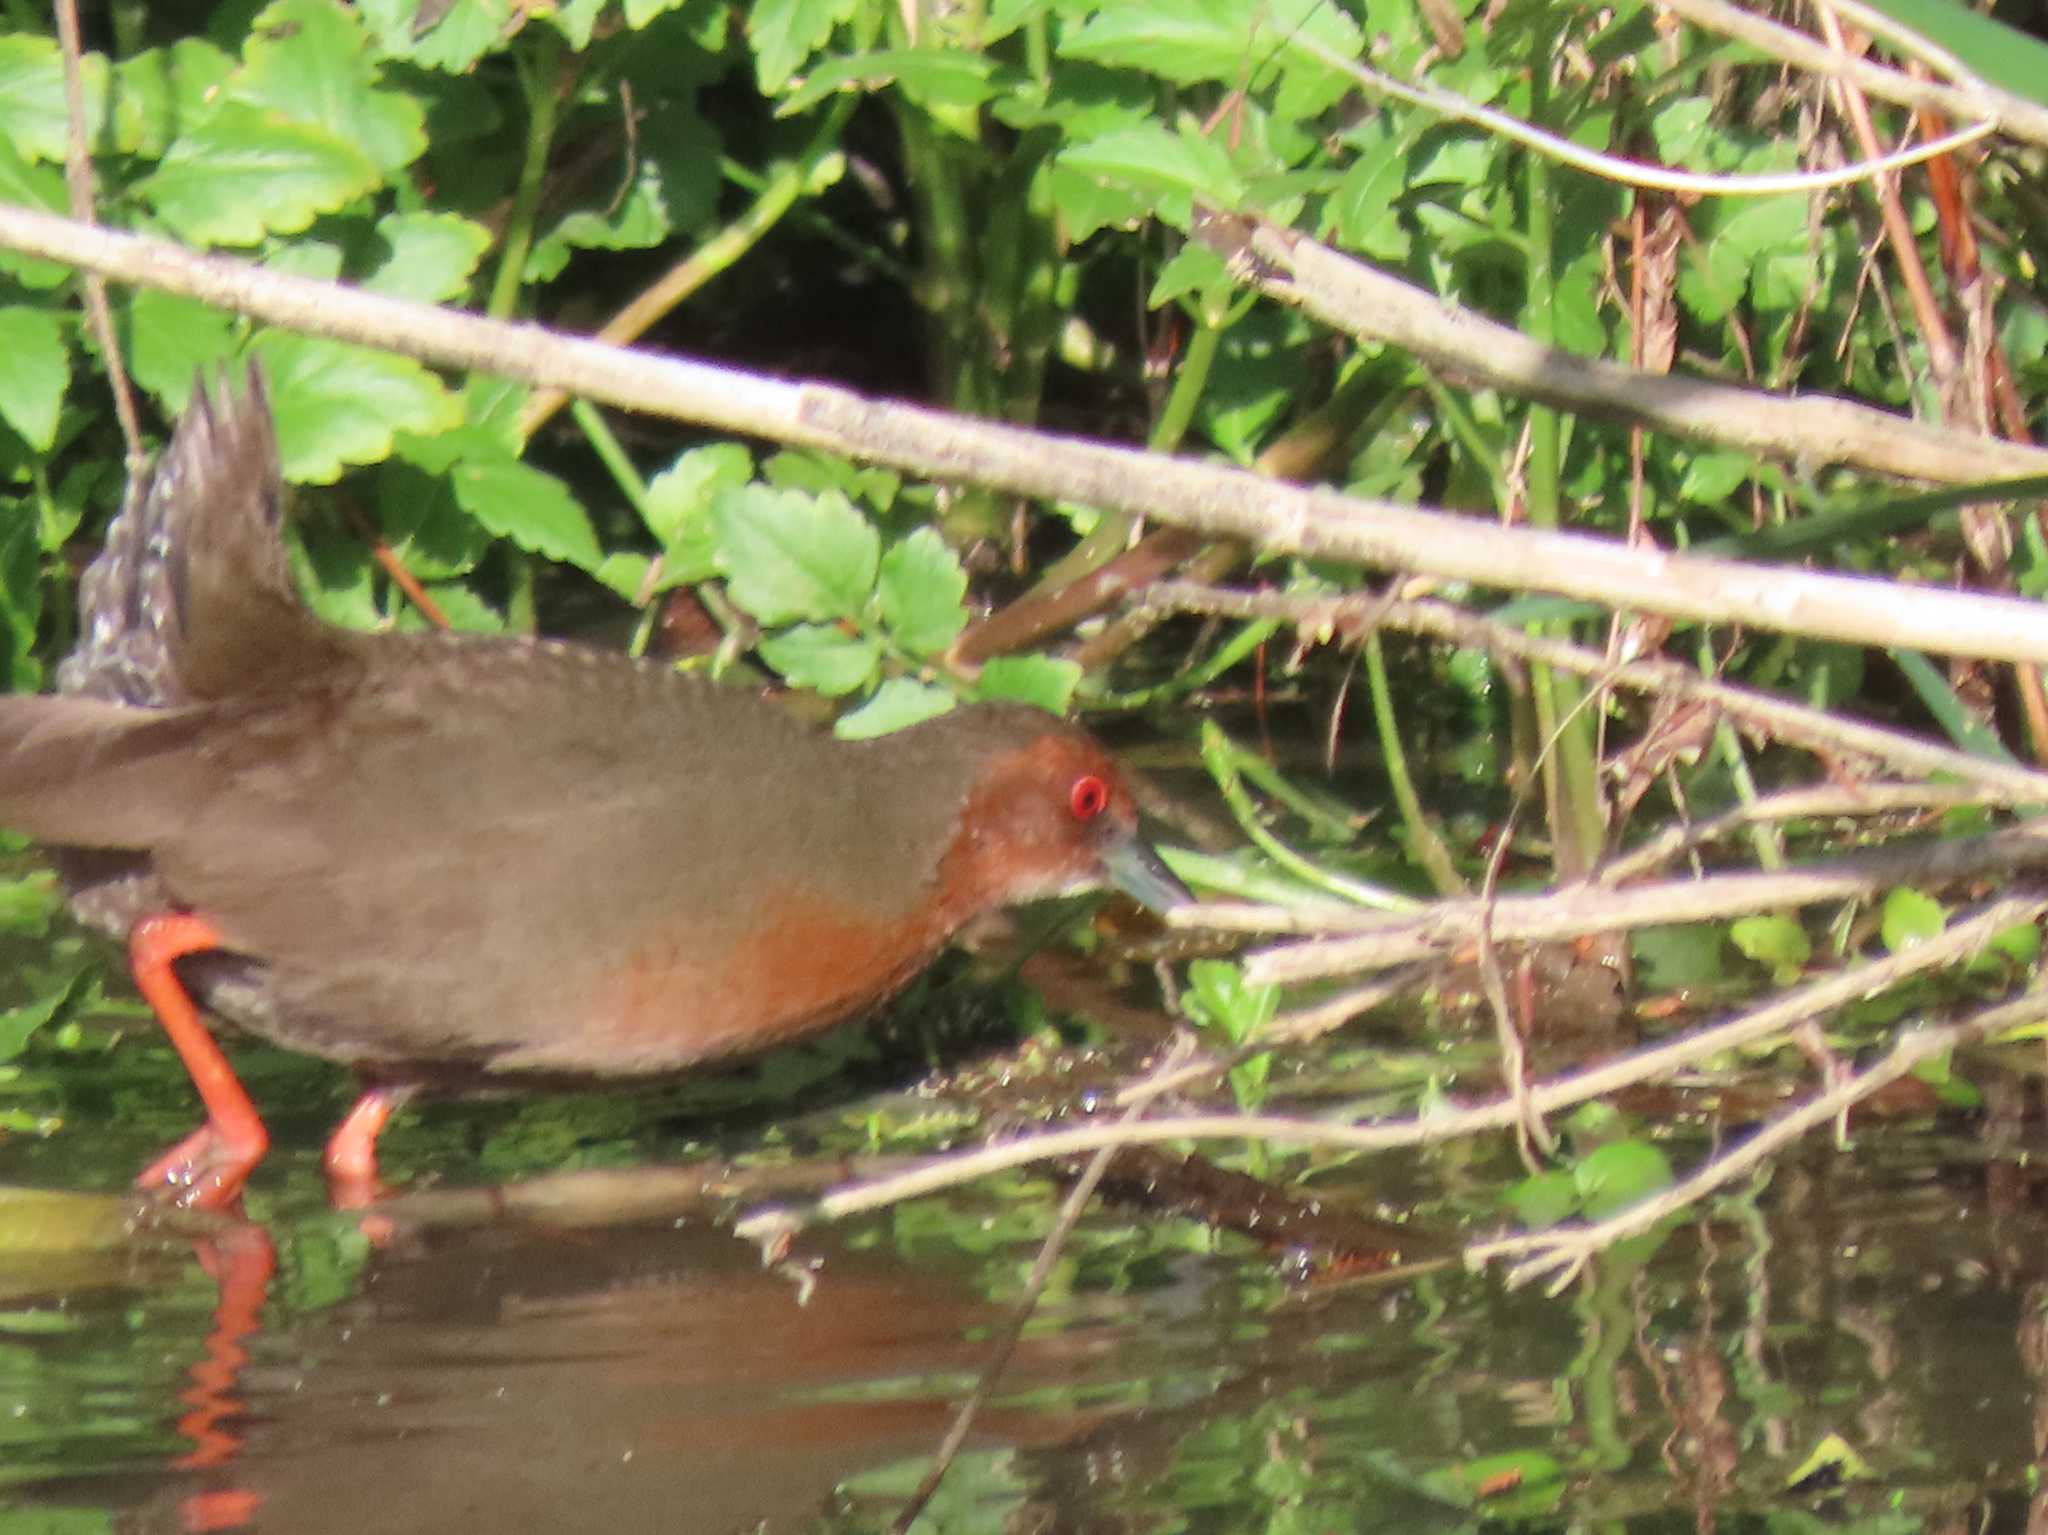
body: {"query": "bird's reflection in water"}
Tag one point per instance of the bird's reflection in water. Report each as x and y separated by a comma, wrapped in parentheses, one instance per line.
(516, 1377)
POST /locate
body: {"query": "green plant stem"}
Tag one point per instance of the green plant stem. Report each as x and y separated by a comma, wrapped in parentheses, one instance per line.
(1454, 413)
(539, 72)
(1190, 380)
(774, 195)
(1229, 654)
(1220, 755)
(605, 444)
(1570, 768)
(1110, 536)
(1423, 841)
(1767, 837)
(519, 610)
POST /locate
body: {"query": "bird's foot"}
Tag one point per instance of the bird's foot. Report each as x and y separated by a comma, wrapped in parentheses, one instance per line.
(206, 1170)
(351, 1157)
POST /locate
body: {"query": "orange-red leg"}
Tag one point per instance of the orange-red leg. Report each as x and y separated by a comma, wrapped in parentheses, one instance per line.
(351, 1159)
(210, 1165)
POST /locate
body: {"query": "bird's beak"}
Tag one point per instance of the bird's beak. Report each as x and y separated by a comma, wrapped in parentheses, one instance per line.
(1139, 872)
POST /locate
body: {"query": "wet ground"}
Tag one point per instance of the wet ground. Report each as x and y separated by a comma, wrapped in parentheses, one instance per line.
(1859, 1341)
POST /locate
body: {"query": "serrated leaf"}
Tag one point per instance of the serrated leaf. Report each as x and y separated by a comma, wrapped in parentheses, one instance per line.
(677, 508)
(33, 117)
(35, 368)
(922, 593)
(1173, 169)
(823, 658)
(29, 186)
(577, 21)
(639, 12)
(429, 531)
(466, 612)
(788, 556)
(463, 33)
(529, 506)
(785, 33)
(160, 89)
(948, 79)
(245, 173)
(897, 703)
(674, 187)
(306, 61)
(430, 256)
(1043, 681)
(338, 405)
(1187, 41)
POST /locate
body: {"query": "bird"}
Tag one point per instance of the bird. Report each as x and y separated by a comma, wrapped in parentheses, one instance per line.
(446, 860)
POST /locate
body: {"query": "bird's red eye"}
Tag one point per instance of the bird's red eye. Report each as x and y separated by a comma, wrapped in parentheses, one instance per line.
(1089, 798)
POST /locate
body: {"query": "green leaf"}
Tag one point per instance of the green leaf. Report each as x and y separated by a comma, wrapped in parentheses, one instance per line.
(1832, 1462)
(338, 405)
(1544, 1199)
(640, 12)
(1217, 998)
(2003, 55)
(1188, 41)
(430, 256)
(674, 187)
(1364, 213)
(33, 117)
(305, 60)
(529, 506)
(160, 90)
(1910, 919)
(35, 368)
(945, 79)
(466, 31)
(677, 509)
(897, 703)
(2020, 943)
(1712, 478)
(788, 556)
(824, 658)
(1775, 941)
(1174, 169)
(245, 173)
(922, 593)
(171, 340)
(1618, 1175)
(466, 612)
(28, 903)
(785, 33)
(1679, 957)
(429, 531)
(1046, 682)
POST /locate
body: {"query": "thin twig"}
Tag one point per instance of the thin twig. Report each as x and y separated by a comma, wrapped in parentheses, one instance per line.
(1449, 927)
(79, 188)
(1375, 306)
(1633, 173)
(1790, 805)
(1780, 718)
(1563, 1252)
(1861, 980)
(1221, 502)
(1970, 98)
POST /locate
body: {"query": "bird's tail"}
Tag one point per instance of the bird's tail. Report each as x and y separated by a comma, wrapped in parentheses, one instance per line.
(190, 599)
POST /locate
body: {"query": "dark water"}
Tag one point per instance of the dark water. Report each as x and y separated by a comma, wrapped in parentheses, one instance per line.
(1858, 1342)
(287, 1375)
